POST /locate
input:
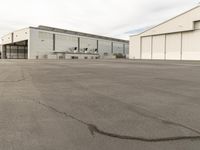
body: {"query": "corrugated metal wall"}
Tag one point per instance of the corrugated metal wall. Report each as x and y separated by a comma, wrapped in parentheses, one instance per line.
(90, 44)
(65, 43)
(42, 43)
(105, 47)
(118, 48)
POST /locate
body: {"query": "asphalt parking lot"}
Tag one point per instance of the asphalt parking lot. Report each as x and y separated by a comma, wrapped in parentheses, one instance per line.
(99, 105)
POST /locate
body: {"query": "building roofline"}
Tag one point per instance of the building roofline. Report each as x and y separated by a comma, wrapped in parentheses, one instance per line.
(15, 31)
(52, 29)
(167, 21)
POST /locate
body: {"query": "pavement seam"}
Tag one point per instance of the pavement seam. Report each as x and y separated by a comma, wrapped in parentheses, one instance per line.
(94, 129)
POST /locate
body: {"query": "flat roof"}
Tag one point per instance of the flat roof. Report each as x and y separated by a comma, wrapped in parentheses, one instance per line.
(52, 29)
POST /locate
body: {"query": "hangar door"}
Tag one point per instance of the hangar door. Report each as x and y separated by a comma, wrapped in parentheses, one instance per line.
(146, 48)
(16, 50)
(158, 47)
(191, 45)
(173, 46)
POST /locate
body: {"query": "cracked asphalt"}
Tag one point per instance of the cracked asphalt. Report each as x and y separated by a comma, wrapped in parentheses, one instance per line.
(99, 105)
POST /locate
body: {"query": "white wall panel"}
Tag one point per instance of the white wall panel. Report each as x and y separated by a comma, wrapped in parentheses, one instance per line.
(134, 47)
(45, 41)
(21, 35)
(6, 39)
(91, 44)
(65, 42)
(173, 46)
(104, 47)
(41, 43)
(191, 45)
(159, 47)
(146, 47)
(118, 48)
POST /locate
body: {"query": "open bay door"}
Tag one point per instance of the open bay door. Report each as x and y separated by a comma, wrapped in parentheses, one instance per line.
(15, 44)
(17, 50)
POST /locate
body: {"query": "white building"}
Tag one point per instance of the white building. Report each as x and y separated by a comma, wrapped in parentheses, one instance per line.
(46, 42)
(175, 39)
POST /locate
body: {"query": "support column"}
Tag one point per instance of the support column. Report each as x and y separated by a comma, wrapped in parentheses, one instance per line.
(78, 44)
(4, 49)
(124, 49)
(181, 56)
(151, 47)
(17, 52)
(141, 48)
(97, 46)
(24, 52)
(111, 47)
(54, 42)
(165, 52)
(10, 51)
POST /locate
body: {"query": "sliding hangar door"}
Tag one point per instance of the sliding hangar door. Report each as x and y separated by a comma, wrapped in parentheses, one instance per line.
(177, 46)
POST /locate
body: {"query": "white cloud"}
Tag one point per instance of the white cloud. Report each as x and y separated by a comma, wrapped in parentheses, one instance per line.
(116, 18)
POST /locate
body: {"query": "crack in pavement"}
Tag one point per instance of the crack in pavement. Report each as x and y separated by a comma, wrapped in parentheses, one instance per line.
(148, 113)
(94, 129)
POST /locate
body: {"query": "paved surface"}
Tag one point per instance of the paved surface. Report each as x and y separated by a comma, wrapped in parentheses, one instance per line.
(99, 105)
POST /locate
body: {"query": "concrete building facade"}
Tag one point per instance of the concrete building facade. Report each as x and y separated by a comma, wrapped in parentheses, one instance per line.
(44, 42)
(175, 39)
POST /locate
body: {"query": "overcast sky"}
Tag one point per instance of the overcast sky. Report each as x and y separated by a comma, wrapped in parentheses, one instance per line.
(116, 18)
